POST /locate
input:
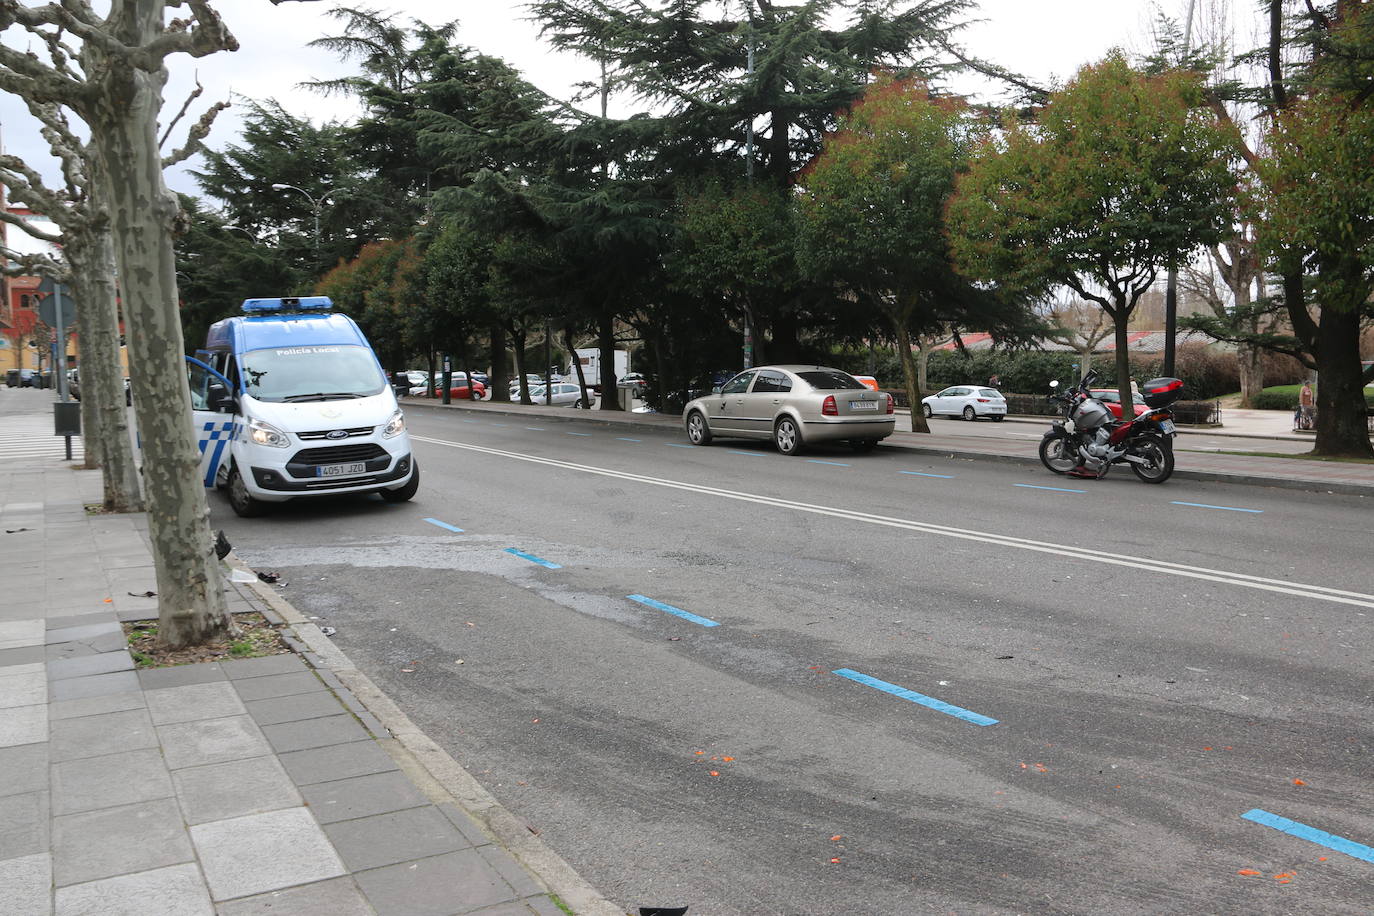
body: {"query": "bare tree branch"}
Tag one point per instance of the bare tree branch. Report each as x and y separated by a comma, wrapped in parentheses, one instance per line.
(203, 34)
(195, 137)
(185, 106)
(34, 264)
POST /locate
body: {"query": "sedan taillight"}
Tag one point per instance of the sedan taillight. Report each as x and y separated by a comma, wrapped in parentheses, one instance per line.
(891, 404)
(983, 400)
(828, 407)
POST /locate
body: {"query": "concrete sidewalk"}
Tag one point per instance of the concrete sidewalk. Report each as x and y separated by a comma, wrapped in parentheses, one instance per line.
(287, 784)
(1351, 478)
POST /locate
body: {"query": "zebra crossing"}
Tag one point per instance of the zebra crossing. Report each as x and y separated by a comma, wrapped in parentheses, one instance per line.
(26, 424)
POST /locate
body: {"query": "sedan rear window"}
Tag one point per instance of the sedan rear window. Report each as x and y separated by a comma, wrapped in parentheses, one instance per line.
(829, 380)
(989, 393)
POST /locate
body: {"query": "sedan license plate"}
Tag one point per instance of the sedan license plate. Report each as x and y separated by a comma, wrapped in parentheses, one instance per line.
(341, 470)
(1166, 426)
(863, 405)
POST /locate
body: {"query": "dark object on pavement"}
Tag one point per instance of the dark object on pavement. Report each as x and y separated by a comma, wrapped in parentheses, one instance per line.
(269, 576)
(143, 595)
(16, 530)
(222, 546)
(328, 631)
(662, 910)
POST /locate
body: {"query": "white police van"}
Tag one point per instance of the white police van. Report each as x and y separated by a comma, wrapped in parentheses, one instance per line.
(289, 401)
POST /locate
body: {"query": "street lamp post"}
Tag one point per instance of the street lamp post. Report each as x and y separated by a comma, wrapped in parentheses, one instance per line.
(315, 203)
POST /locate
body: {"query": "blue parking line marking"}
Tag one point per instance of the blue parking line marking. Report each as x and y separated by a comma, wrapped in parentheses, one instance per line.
(919, 474)
(1031, 486)
(749, 454)
(538, 429)
(677, 445)
(625, 439)
(533, 559)
(928, 702)
(838, 464)
(498, 424)
(1227, 508)
(579, 434)
(675, 611)
(445, 525)
(466, 420)
(1311, 834)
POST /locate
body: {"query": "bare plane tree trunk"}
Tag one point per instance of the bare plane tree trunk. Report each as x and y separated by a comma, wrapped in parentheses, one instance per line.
(123, 117)
(913, 388)
(102, 381)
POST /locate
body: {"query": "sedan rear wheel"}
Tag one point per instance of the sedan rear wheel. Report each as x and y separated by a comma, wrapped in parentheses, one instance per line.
(970, 413)
(787, 436)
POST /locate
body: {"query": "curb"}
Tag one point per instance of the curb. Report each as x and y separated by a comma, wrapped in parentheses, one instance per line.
(441, 778)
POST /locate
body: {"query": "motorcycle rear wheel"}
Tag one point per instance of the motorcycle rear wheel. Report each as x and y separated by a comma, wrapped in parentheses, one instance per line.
(1160, 457)
(1057, 452)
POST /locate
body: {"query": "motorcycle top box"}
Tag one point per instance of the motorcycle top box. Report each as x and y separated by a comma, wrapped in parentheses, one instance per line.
(1161, 392)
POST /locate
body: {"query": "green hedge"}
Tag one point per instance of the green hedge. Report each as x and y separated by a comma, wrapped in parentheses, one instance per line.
(1285, 397)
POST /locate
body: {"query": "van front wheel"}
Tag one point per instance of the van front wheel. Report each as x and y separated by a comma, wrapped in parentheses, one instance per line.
(240, 500)
(401, 494)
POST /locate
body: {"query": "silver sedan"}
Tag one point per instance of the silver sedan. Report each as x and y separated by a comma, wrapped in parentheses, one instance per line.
(794, 406)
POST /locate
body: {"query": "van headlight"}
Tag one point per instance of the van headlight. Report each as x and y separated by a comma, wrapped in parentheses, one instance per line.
(395, 426)
(266, 434)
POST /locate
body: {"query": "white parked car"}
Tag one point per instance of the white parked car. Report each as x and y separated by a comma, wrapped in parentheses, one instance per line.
(563, 395)
(968, 401)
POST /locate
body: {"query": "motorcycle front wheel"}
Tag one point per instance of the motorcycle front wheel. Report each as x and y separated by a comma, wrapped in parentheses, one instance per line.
(1159, 459)
(1058, 453)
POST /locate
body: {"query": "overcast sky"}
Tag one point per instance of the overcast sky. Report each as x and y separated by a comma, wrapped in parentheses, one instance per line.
(1040, 38)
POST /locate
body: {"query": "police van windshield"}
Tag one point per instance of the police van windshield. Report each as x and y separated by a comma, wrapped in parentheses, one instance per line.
(325, 373)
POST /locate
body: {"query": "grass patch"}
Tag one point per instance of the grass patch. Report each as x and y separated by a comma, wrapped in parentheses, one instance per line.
(255, 638)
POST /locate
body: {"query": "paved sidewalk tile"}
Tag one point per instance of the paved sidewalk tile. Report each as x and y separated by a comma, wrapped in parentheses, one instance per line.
(95, 736)
(399, 836)
(240, 668)
(362, 796)
(189, 744)
(216, 700)
(456, 882)
(27, 884)
(95, 685)
(236, 788)
(101, 663)
(23, 725)
(16, 634)
(277, 685)
(114, 779)
(264, 852)
(177, 890)
(308, 733)
(276, 710)
(21, 655)
(341, 761)
(23, 825)
(96, 706)
(334, 897)
(24, 685)
(85, 633)
(180, 675)
(118, 841)
(25, 769)
(78, 620)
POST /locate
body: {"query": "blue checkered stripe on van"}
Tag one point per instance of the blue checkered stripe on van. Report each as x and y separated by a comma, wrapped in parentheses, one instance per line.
(218, 435)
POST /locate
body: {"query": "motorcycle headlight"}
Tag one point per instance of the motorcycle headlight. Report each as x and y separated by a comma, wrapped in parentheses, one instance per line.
(266, 434)
(395, 426)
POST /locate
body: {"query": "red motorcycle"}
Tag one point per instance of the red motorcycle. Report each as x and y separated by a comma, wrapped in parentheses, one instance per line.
(1088, 440)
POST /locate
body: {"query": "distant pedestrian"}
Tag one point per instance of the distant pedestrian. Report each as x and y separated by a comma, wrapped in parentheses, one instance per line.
(1307, 406)
(995, 381)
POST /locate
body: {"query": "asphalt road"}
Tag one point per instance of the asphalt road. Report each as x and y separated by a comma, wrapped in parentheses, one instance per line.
(933, 685)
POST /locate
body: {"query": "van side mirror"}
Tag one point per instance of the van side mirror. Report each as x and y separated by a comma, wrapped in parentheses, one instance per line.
(219, 398)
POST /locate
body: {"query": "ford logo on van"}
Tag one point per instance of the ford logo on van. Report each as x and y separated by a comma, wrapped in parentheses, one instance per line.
(336, 434)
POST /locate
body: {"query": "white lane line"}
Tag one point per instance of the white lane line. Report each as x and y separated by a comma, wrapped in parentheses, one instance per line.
(1244, 580)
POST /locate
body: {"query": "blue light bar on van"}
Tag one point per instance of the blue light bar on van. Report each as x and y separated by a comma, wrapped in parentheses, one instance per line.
(289, 304)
